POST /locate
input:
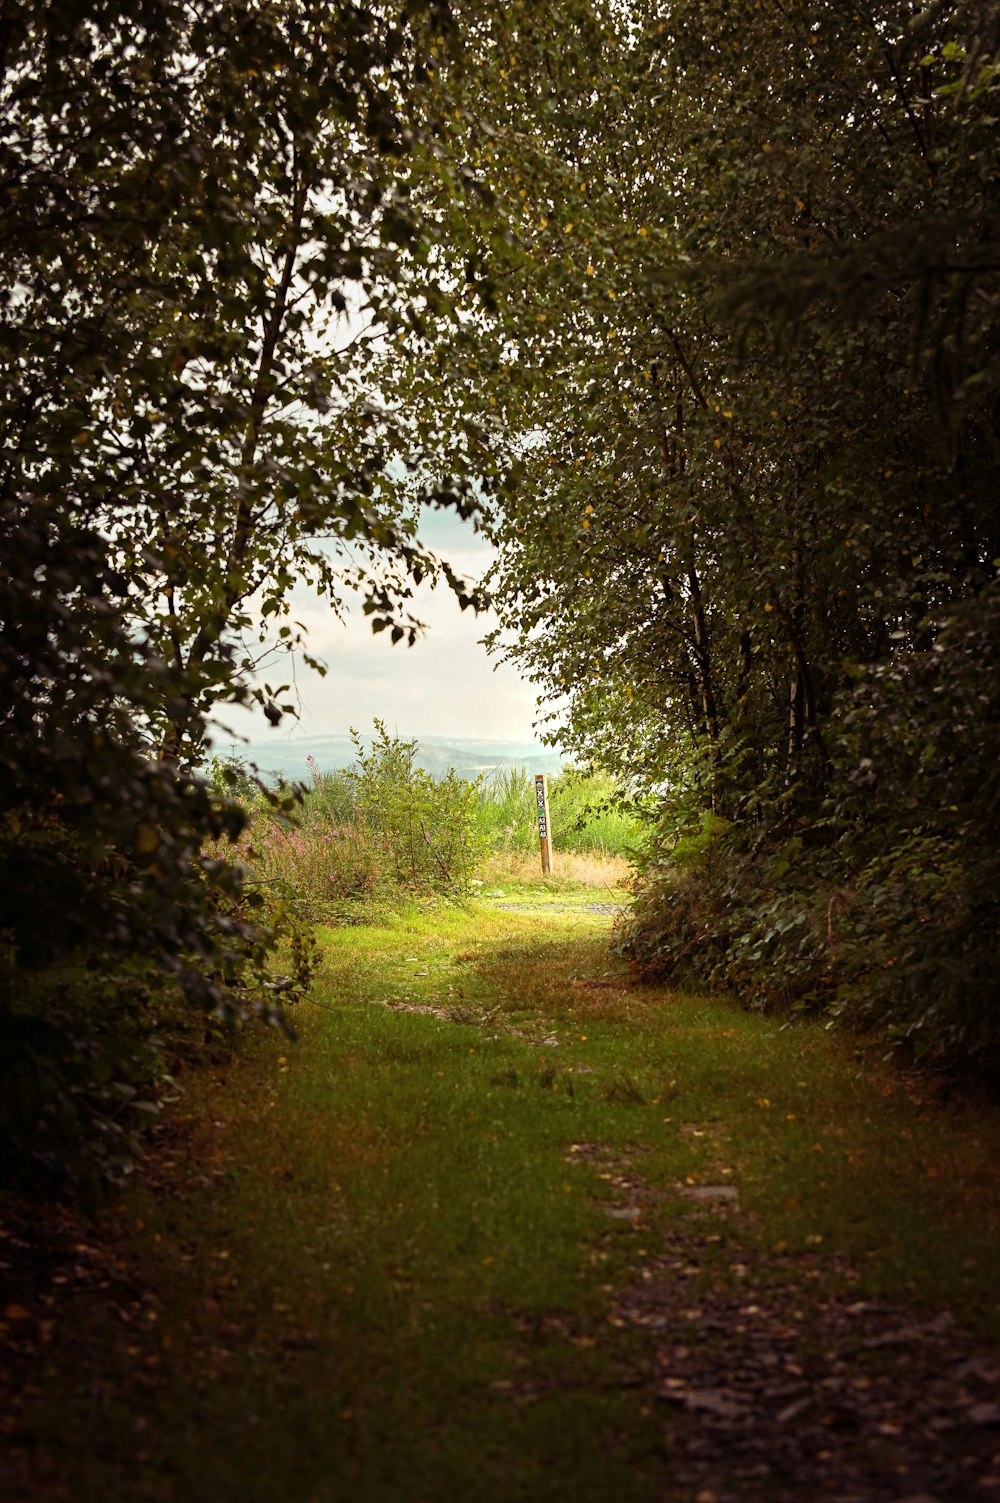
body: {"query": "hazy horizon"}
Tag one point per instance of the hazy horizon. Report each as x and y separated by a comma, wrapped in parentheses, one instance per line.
(295, 757)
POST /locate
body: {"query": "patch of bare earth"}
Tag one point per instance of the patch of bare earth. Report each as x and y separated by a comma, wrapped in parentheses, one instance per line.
(62, 1275)
(777, 1383)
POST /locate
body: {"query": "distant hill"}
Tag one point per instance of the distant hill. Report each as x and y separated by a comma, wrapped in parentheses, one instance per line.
(290, 758)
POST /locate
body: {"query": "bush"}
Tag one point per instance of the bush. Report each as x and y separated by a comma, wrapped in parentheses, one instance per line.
(116, 921)
(380, 830)
(884, 912)
(423, 829)
(89, 1027)
(679, 925)
(916, 821)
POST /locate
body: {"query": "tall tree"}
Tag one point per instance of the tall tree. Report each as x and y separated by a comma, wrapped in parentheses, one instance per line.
(207, 230)
(208, 227)
(742, 366)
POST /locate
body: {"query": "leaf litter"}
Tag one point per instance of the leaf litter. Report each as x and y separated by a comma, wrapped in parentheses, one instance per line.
(805, 1395)
(779, 1389)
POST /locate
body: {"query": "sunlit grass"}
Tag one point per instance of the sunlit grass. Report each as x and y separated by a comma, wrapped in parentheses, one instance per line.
(570, 869)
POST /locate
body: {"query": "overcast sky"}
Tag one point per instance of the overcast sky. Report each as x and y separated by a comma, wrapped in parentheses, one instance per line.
(446, 685)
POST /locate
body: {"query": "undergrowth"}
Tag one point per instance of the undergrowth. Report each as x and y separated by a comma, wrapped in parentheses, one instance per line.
(873, 900)
(381, 832)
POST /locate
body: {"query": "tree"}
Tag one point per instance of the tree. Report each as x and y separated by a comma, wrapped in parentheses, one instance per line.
(209, 227)
(207, 234)
(743, 358)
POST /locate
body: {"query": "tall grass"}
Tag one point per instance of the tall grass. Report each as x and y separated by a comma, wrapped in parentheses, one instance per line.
(584, 816)
(382, 830)
(571, 870)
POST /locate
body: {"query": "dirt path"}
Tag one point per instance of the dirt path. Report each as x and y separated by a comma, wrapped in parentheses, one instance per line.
(772, 1387)
(507, 1227)
(608, 908)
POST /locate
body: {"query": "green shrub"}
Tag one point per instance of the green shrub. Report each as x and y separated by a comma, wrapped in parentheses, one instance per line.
(375, 832)
(88, 1045)
(916, 821)
(885, 910)
(423, 829)
(679, 925)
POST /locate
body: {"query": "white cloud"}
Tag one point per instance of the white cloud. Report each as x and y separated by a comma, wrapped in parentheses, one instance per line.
(445, 685)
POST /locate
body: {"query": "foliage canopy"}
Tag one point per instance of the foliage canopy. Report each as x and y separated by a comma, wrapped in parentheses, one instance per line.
(744, 352)
(208, 228)
(699, 302)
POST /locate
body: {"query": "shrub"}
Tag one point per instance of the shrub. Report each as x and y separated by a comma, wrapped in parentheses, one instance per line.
(423, 829)
(916, 819)
(885, 911)
(374, 832)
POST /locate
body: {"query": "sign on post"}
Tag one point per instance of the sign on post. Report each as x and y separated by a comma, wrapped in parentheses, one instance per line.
(544, 824)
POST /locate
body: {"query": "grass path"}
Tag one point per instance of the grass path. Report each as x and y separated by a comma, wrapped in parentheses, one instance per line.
(503, 1226)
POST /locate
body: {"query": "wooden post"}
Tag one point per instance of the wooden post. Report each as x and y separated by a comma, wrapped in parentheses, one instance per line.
(544, 824)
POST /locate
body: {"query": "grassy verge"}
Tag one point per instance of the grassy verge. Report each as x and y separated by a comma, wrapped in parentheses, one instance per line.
(379, 1264)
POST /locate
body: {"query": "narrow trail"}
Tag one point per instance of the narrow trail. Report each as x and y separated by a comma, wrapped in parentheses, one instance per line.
(607, 908)
(506, 1226)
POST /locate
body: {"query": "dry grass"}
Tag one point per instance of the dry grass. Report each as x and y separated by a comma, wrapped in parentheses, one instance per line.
(569, 868)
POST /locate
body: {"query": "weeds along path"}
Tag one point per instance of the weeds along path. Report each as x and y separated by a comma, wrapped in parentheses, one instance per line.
(503, 1226)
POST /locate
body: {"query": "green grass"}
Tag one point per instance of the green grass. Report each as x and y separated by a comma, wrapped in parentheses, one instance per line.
(377, 1269)
(584, 818)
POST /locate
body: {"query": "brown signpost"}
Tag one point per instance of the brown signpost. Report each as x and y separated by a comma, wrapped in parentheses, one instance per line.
(544, 823)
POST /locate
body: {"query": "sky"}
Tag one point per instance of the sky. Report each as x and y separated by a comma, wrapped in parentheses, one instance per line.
(446, 685)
